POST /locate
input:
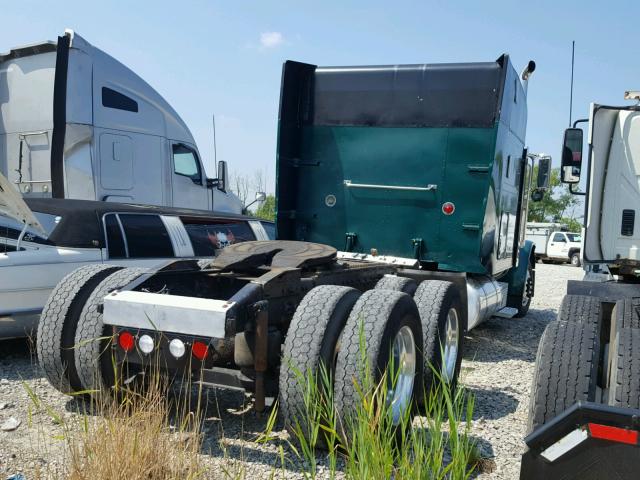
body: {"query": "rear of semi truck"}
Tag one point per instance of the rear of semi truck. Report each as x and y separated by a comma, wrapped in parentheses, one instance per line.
(402, 196)
(584, 414)
(419, 162)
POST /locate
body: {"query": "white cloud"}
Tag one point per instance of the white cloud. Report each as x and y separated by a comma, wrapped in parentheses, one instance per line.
(271, 39)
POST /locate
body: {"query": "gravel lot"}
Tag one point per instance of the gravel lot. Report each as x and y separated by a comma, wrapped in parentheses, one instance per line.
(497, 368)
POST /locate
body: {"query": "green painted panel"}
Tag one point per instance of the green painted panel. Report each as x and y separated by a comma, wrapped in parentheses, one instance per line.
(457, 160)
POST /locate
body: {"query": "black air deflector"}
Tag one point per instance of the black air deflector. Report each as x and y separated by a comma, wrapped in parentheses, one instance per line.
(427, 95)
(628, 222)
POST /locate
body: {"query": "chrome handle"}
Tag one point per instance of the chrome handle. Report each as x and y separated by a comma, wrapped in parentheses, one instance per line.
(428, 188)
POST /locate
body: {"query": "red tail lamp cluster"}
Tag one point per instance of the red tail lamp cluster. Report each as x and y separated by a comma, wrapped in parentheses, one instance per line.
(127, 342)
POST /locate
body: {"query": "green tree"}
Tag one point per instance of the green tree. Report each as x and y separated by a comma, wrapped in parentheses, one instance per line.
(557, 205)
(267, 210)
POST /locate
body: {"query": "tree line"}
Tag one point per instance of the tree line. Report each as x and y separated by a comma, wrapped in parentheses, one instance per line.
(558, 204)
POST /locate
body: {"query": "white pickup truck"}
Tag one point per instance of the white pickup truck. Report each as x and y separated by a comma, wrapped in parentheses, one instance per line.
(554, 244)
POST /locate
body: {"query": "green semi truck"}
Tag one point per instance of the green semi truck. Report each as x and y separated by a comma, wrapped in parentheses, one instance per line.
(402, 196)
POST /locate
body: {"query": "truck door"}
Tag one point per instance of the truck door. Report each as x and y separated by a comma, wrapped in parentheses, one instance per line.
(557, 244)
(116, 167)
(187, 179)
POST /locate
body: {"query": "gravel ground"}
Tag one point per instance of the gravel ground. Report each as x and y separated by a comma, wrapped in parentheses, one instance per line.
(497, 368)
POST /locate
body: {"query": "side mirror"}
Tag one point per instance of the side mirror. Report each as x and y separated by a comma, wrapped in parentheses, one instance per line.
(544, 169)
(222, 176)
(260, 196)
(537, 195)
(571, 155)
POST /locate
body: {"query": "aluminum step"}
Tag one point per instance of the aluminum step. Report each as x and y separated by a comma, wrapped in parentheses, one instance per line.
(506, 312)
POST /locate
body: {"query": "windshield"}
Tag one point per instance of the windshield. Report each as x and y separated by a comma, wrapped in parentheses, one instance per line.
(574, 237)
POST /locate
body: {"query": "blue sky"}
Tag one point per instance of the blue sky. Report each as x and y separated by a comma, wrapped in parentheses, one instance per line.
(225, 57)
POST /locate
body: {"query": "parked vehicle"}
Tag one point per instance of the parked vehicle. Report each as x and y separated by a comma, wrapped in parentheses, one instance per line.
(62, 235)
(425, 201)
(554, 243)
(77, 123)
(586, 393)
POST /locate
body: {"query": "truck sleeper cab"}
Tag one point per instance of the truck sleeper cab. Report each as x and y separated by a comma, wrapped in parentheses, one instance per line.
(365, 215)
(76, 123)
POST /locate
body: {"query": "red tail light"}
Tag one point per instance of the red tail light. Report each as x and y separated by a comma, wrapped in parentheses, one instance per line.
(614, 434)
(126, 341)
(200, 350)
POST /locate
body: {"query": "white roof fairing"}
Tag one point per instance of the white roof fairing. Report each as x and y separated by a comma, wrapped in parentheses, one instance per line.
(155, 115)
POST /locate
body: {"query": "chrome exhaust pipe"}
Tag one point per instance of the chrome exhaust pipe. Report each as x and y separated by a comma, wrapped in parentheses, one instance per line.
(485, 296)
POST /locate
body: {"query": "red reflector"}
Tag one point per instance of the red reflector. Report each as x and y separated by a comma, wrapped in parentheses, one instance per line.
(126, 341)
(448, 208)
(200, 350)
(615, 434)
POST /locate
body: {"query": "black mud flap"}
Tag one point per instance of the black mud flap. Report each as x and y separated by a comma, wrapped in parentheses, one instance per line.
(587, 442)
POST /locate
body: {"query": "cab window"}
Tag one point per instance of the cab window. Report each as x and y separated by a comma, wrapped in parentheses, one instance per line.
(146, 236)
(185, 163)
(559, 237)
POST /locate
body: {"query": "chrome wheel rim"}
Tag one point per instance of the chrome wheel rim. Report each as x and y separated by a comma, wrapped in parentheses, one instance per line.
(404, 363)
(450, 350)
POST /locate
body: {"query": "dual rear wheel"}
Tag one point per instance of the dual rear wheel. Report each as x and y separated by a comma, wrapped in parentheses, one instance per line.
(359, 340)
(72, 344)
(584, 357)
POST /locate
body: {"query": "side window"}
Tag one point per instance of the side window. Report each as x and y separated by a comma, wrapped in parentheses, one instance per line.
(185, 162)
(270, 228)
(146, 236)
(559, 237)
(115, 242)
(117, 100)
(209, 236)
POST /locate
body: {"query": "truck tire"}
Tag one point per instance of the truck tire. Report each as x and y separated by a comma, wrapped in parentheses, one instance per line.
(58, 321)
(524, 302)
(624, 383)
(382, 321)
(93, 360)
(311, 341)
(574, 259)
(399, 284)
(565, 371)
(625, 314)
(580, 309)
(443, 325)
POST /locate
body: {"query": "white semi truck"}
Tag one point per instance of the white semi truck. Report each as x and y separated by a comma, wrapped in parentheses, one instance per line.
(554, 243)
(76, 123)
(584, 413)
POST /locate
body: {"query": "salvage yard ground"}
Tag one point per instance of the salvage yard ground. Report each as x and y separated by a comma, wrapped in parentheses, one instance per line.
(497, 369)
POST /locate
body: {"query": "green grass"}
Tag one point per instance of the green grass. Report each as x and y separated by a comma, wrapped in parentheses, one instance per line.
(436, 444)
(149, 434)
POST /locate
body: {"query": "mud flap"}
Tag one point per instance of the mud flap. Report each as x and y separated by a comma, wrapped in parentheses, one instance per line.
(517, 277)
(588, 441)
